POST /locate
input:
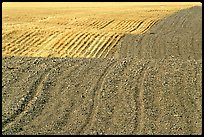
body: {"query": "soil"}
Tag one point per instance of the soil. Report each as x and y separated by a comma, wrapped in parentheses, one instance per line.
(151, 85)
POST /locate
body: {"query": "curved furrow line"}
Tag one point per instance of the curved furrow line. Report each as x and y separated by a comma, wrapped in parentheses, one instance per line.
(98, 24)
(97, 88)
(22, 49)
(52, 35)
(142, 103)
(77, 42)
(27, 34)
(133, 25)
(107, 24)
(10, 44)
(139, 23)
(61, 41)
(112, 46)
(129, 27)
(95, 45)
(149, 25)
(86, 50)
(37, 42)
(102, 24)
(46, 48)
(102, 45)
(61, 46)
(142, 26)
(109, 41)
(6, 33)
(81, 71)
(124, 22)
(19, 37)
(37, 45)
(29, 47)
(126, 25)
(116, 26)
(146, 26)
(94, 23)
(69, 42)
(87, 23)
(144, 22)
(34, 46)
(86, 47)
(23, 44)
(72, 41)
(31, 97)
(80, 47)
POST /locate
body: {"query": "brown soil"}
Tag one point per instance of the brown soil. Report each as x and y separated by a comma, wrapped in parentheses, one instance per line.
(152, 85)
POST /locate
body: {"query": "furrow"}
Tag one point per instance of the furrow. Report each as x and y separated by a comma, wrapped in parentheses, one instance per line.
(94, 46)
(23, 44)
(139, 23)
(61, 46)
(72, 40)
(116, 26)
(112, 45)
(34, 92)
(60, 41)
(107, 24)
(9, 45)
(150, 24)
(76, 43)
(126, 25)
(124, 22)
(80, 47)
(103, 45)
(96, 96)
(130, 26)
(83, 50)
(67, 42)
(36, 45)
(87, 51)
(142, 26)
(45, 50)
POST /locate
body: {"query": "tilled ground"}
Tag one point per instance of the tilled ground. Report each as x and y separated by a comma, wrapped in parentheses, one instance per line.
(142, 90)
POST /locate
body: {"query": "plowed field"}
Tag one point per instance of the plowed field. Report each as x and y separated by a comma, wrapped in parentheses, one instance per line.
(101, 73)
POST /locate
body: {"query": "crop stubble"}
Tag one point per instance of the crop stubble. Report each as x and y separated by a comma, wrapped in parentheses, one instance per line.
(35, 34)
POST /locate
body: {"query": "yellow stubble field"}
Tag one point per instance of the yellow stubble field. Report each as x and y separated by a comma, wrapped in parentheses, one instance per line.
(84, 30)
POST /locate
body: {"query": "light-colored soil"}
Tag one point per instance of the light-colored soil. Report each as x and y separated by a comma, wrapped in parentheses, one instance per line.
(148, 83)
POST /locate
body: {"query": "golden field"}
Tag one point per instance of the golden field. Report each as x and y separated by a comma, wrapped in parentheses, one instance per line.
(85, 30)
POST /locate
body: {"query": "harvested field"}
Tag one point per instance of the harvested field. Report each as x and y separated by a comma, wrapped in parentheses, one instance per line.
(101, 76)
(82, 32)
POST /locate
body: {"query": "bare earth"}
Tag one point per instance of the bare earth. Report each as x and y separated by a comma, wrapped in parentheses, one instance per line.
(147, 83)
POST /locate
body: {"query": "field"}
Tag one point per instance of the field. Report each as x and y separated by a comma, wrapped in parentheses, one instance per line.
(75, 32)
(95, 68)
